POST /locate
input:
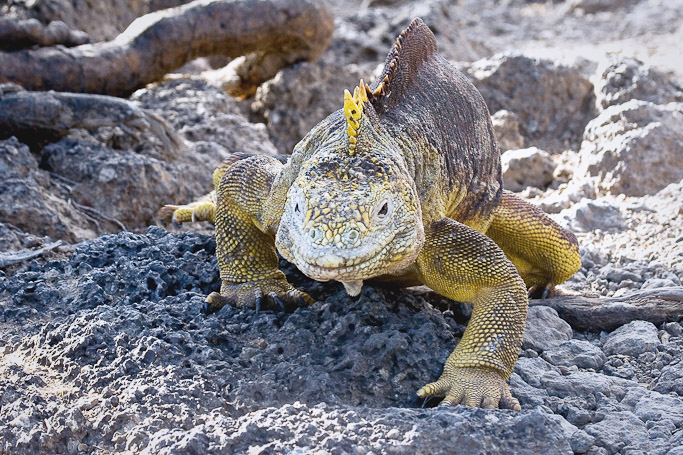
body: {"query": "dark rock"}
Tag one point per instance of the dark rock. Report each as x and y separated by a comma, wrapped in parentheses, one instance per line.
(632, 339)
(619, 430)
(553, 102)
(575, 352)
(33, 202)
(127, 186)
(544, 329)
(671, 379)
(506, 131)
(526, 167)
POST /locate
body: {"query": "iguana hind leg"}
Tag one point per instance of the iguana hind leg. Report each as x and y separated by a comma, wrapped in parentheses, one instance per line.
(245, 248)
(544, 253)
(462, 264)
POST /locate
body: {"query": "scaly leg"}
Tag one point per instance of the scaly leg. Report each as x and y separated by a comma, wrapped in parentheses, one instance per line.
(544, 253)
(204, 208)
(245, 247)
(462, 264)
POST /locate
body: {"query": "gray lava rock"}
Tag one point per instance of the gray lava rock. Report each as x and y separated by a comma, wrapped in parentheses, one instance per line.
(127, 186)
(583, 383)
(634, 148)
(205, 114)
(531, 370)
(671, 379)
(589, 215)
(553, 102)
(619, 430)
(299, 97)
(300, 428)
(575, 352)
(31, 201)
(526, 167)
(544, 329)
(632, 339)
(621, 79)
(655, 407)
(506, 131)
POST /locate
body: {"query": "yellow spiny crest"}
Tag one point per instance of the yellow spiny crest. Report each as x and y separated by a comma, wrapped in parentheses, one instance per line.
(353, 111)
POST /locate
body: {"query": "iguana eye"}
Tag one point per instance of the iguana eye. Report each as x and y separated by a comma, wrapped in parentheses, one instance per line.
(383, 211)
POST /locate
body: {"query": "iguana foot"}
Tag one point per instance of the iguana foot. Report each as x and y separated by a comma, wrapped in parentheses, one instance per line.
(542, 292)
(267, 294)
(202, 210)
(473, 386)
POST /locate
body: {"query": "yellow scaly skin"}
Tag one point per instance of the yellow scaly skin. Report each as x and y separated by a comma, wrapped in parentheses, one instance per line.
(403, 185)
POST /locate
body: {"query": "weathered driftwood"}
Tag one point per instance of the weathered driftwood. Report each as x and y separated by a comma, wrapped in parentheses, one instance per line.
(608, 313)
(19, 34)
(16, 257)
(154, 44)
(33, 116)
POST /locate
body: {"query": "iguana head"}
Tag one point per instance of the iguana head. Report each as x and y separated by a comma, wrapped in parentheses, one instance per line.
(353, 212)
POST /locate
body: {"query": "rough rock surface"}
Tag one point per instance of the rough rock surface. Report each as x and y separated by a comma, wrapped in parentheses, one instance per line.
(506, 131)
(114, 353)
(544, 329)
(299, 97)
(621, 79)
(553, 102)
(32, 201)
(87, 15)
(526, 167)
(634, 338)
(103, 348)
(634, 148)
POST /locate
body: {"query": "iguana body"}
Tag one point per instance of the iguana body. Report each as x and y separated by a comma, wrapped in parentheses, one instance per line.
(403, 184)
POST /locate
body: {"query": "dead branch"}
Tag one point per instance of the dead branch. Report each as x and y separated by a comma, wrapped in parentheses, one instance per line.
(159, 42)
(32, 115)
(7, 259)
(18, 34)
(608, 313)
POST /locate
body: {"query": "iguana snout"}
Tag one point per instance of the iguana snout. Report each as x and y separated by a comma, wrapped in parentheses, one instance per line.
(344, 223)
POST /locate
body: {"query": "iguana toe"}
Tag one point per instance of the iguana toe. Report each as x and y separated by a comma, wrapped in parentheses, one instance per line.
(477, 387)
(269, 294)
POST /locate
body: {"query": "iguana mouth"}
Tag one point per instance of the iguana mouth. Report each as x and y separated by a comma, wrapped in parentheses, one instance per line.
(350, 268)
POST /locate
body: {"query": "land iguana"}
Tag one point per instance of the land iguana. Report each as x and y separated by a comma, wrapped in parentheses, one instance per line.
(401, 185)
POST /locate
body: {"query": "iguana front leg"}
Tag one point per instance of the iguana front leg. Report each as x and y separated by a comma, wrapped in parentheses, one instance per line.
(462, 264)
(245, 246)
(204, 208)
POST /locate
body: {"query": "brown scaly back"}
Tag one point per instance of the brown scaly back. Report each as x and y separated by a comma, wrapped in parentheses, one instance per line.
(412, 48)
(441, 122)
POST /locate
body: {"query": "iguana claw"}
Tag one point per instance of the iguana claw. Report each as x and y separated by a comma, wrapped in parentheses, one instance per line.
(267, 294)
(476, 386)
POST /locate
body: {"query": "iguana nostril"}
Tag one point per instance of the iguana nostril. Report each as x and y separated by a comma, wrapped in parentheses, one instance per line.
(315, 233)
(351, 235)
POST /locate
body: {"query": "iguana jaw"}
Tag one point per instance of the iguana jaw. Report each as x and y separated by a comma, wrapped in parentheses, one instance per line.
(331, 264)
